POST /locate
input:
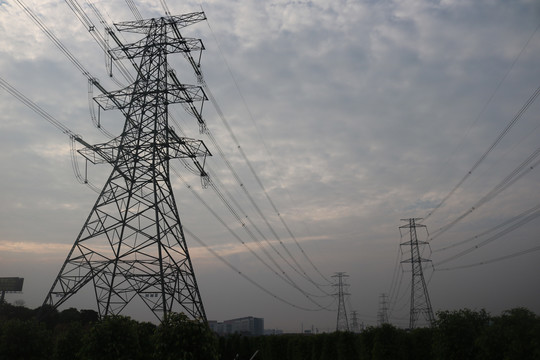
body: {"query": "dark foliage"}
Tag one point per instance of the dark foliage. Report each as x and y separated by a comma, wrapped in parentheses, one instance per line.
(45, 333)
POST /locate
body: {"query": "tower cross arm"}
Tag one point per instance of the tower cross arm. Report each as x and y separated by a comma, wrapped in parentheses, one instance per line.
(176, 93)
(180, 147)
(100, 153)
(142, 26)
(172, 45)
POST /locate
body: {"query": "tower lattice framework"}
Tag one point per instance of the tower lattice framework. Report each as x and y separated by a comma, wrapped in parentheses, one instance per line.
(342, 320)
(382, 314)
(420, 302)
(132, 243)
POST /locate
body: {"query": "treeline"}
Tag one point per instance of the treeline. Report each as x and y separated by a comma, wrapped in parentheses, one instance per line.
(45, 333)
(457, 335)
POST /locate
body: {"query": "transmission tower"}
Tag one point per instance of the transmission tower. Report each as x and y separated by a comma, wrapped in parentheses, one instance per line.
(342, 322)
(355, 327)
(132, 244)
(420, 303)
(382, 314)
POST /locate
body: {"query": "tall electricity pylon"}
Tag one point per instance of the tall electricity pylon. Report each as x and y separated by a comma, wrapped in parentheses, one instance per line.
(420, 303)
(342, 322)
(132, 244)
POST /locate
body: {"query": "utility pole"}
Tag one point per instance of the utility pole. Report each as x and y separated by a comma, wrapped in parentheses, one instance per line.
(420, 303)
(382, 314)
(132, 245)
(342, 322)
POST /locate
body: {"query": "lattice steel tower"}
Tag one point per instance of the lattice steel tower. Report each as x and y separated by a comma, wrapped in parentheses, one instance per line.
(132, 243)
(355, 327)
(420, 303)
(382, 314)
(342, 321)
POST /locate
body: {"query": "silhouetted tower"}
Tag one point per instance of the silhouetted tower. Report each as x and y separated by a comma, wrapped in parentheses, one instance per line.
(342, 322)
(132, 244)
(355, 327)
(420, 303)
(382, 314)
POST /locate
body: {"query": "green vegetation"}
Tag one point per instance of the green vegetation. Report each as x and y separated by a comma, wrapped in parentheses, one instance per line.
(45, 333)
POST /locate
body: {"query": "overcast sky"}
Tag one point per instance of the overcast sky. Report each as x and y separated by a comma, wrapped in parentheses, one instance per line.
(354, 115)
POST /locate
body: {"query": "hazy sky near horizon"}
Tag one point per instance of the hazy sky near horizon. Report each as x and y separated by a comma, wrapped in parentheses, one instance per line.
(354, 115)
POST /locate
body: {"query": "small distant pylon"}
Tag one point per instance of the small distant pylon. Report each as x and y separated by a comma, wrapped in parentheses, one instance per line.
(355, 328)
(342, 322)
(420, 303)
(382, 314)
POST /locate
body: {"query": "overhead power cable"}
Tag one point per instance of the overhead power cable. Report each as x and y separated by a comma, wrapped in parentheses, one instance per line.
(134, 9)
(494, 237)
(33, 106)
(501, 135)
(524, 168)
(218, 187)
(165, 7)
(491, 261)
(283, 275)
(54, 122)
(54, 39)
(252, 169)
(64, 50)
(510, 179)
(253, 282)
(208, 92)
(495, 228)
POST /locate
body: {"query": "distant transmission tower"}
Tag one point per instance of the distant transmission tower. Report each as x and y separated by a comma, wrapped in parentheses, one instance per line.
(342, 322)
(132, 244)
(355, 327)
(420, 303)
(382, 314)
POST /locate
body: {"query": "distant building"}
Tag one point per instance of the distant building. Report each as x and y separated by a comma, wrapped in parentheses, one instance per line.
(273, 332)
(246, 326)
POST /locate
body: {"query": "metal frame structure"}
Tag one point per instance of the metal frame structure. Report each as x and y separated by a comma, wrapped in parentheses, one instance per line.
(342, 321)
(132, 243)
(382, 314)
(420, 302)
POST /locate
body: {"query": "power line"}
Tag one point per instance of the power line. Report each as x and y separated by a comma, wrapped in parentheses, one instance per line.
(494, 237)
(501, 135)
(250, 166)
(282, 274)
(499, 226)
(521, 170)
(249, 279)
(491, 261)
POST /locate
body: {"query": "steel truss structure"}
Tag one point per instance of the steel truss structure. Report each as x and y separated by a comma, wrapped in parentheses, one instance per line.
(132, 243)
(342, 320)
(420, 303)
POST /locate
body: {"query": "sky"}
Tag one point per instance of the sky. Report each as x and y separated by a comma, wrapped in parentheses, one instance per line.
(353, 114)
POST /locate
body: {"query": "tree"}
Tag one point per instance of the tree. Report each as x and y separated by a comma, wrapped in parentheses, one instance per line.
(389, 343)
(24, 340)
(113, 338)
(513, 335)
(456, 333)
(421, 340)
(178, 337)
(69, 341)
